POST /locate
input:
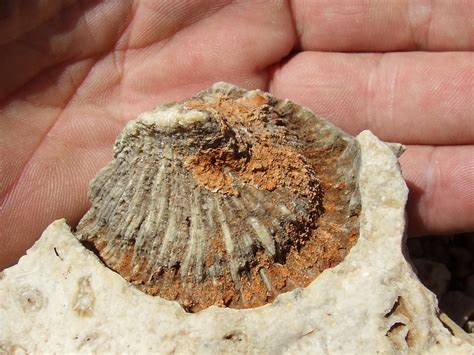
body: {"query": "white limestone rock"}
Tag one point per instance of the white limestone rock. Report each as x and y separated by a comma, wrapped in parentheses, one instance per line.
(60, 298)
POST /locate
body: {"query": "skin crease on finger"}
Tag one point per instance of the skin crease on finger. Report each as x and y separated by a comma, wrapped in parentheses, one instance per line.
(72, 76)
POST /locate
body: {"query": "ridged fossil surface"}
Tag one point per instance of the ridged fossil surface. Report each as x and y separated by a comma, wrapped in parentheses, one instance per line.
(228, 199)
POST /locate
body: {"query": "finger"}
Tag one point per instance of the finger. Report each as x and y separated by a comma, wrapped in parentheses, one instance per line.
(13, 15)
(412, 98)
(158, 46)
(360, 25)
(151, 69)
(441, 183)
(76, 32)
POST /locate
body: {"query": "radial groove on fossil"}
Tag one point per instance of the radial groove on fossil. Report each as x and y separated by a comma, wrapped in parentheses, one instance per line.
(228, 199)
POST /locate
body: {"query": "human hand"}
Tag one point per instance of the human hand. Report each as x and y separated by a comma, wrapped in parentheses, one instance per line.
(72, 74)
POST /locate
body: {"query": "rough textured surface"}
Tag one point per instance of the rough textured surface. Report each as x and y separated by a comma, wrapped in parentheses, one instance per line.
(230, 199)
(371, 302)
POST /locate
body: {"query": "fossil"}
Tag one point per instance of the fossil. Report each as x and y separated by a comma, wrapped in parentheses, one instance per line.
(229, 198)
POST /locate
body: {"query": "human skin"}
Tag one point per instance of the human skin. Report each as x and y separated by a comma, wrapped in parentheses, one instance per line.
(73, 73)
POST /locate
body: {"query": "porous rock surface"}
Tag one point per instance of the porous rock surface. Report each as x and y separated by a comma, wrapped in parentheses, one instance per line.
(60, 298)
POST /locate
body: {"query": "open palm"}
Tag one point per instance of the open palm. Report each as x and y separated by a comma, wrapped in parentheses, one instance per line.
(72, 73)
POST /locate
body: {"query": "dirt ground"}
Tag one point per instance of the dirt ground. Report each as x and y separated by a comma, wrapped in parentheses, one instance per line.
(445, 265)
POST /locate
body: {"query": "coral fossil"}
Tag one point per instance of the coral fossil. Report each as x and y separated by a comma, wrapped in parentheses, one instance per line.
(228, 199)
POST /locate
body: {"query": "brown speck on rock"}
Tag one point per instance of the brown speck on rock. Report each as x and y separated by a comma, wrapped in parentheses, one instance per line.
(31, 299)
(84, 298)
(229, 199)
